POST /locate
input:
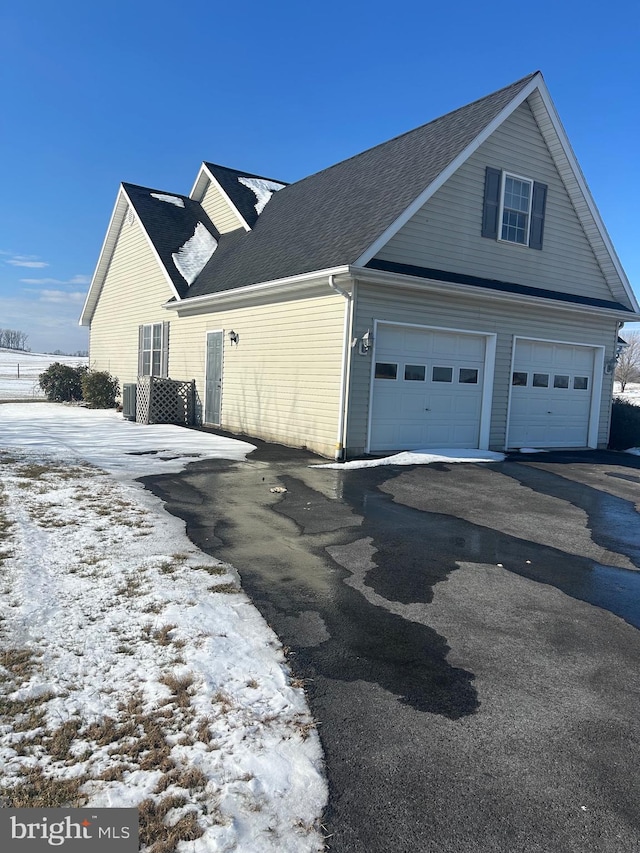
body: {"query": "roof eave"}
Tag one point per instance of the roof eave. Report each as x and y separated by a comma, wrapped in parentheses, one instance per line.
(200, 304)
(391, 279)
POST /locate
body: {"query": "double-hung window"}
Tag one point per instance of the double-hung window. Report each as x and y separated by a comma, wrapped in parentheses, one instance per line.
(514, 208)
(153, 349)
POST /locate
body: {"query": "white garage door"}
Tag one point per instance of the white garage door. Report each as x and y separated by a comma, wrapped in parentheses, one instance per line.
(427, 389)
(551, 391)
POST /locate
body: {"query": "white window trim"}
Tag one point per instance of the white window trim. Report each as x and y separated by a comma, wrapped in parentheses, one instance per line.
(152, 348)
(524, 180)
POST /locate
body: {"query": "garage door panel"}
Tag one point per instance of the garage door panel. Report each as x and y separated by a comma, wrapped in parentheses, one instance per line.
(557, 415)
(414, 410)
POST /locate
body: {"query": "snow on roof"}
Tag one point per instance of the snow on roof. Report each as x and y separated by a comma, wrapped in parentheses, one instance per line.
(171, 199)
(262, 189)
(191, 257)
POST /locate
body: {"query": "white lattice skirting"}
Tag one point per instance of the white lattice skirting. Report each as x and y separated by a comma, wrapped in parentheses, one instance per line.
(165, 401)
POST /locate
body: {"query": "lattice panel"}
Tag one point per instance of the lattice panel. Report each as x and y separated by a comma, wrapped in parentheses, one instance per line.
(164, 401)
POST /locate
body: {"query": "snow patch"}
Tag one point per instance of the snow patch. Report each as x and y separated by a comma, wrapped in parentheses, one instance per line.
(191, 258)
(171, 199)
(532, 450)
(262, 189)
(634, 451)
(421, 457)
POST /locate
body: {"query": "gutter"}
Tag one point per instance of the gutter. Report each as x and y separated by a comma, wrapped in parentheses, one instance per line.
(344, 378)
(195, 304)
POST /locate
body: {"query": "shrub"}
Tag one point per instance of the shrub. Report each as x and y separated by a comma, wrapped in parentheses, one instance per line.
(625, 425)
(100, 389)
(62, 383)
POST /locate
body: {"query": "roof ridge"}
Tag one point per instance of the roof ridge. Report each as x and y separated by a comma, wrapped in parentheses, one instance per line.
(517, 83)
(156, 190)
(244, 172)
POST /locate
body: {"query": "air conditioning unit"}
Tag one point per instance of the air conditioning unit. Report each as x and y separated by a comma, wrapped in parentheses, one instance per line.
(129, 401)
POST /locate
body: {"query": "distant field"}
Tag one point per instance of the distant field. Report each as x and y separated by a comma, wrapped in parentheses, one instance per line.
(19, 372)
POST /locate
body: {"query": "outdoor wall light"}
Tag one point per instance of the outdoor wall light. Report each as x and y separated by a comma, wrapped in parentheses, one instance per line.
(234, 337)
(366, 342)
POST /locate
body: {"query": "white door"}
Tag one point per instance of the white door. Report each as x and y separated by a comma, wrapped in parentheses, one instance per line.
(551, 392)
(427, 389)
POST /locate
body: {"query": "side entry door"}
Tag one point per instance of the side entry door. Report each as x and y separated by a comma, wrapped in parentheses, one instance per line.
(213, 378)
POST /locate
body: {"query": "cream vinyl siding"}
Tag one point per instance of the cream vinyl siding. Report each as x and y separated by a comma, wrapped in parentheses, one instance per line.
(477, 315)
(133, 293)
(219, 210)
(446, 232)
(281, 382)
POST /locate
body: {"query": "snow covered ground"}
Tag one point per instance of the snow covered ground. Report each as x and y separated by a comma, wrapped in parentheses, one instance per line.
(630, 393)
(19, 372)
(134, 671)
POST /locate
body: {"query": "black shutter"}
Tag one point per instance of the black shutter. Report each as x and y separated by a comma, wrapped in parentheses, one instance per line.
(140, 345)
(538, 204)
(164, 360)
(492, 181)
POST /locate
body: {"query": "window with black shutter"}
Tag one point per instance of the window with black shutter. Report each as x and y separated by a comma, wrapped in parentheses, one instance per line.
(513, 209)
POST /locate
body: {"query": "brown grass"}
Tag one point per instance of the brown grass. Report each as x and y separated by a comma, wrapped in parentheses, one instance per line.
(157, 834)
(37, 791)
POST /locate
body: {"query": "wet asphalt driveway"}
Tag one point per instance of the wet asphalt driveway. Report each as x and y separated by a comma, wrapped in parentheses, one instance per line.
(468, 635)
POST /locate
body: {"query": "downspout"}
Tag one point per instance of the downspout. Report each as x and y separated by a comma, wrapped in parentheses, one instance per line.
(344, 379)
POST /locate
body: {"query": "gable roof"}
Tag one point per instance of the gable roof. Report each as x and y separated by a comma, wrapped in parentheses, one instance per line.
(168, 221)
(332, 217)
(169, 225)
(343, 215)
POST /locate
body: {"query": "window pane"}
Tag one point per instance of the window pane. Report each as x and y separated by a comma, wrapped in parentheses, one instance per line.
(156, 363)
(146, 337)
(514, 226)
(540, 380)
(560, 381)
(157, 335)
(581, 383)
(414, 372)
(442, 374)
(468, 375)
(516, 194)
(146, 363)
(519, 378)
(385, 370)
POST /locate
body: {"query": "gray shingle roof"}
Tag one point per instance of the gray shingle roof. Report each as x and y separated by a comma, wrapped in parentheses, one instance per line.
(333, 216)
(168, 225)
(241, 196)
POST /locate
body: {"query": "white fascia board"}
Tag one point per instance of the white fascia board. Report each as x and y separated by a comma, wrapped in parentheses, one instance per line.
(104, 259)
(153, 248)
(444, 176)
(212, 301)
(200, 185)
(584, 194)
(199, 188)
(409, 282)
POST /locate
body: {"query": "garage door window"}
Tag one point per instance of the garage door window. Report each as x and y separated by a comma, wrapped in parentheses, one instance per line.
(442, 374)
(581, 383)
(540, 380)
(468, 376)
(414, 372)
(560, 381)
(386, 370)
(519, 378)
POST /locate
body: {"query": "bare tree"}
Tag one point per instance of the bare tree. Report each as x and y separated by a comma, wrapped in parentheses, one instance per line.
(13, 339)
(628, 366)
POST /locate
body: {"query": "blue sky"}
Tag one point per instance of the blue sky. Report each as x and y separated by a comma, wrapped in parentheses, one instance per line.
(95, 94)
